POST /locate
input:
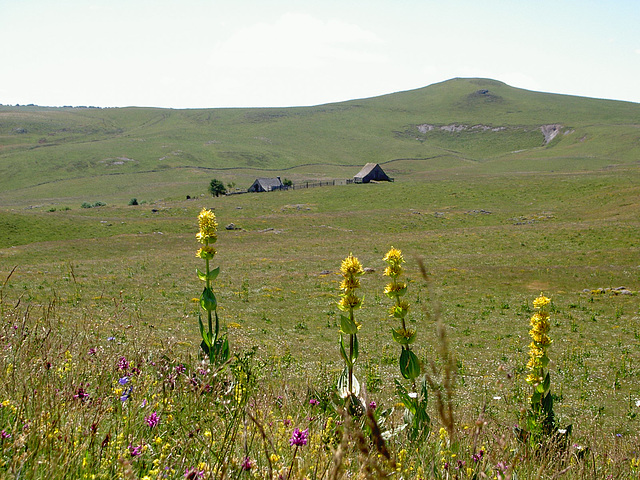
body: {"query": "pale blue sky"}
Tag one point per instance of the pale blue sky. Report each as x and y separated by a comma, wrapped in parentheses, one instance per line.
(254, 53)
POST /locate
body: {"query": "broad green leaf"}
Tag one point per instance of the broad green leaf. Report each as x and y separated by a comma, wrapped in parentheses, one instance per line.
(347, 326)
(213, 274)
(409, 364)
(208, 300)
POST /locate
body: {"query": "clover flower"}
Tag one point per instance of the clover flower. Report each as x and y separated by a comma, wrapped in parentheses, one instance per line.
(299, 437)
(153, 420)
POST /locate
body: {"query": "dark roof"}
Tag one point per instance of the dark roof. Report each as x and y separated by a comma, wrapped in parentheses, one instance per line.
(366, 170)
(268, 184)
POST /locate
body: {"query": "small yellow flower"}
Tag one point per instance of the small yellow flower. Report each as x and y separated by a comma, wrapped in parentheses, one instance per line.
(351, 266)
(206, 253)
(349, 283)
(398, 288)
(541, 301)
(349, 301)
(393, 271)
(394, 257)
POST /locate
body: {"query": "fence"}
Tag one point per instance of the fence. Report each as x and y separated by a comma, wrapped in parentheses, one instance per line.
(329, 183)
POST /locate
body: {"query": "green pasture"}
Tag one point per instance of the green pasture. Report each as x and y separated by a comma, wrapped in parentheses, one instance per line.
(491, 243)
(496, 218)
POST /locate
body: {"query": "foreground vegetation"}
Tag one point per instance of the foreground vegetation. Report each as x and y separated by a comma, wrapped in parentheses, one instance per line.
(102, 375)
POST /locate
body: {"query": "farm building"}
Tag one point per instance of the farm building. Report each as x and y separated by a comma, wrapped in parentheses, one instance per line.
(266, 185)
(371, 171)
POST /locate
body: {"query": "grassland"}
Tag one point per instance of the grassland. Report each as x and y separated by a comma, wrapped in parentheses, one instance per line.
(493, 230)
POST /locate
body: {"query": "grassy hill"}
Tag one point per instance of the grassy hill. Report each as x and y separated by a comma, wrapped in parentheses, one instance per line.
(70, 155)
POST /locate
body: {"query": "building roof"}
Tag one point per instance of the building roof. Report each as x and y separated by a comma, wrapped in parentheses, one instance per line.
(268, 183)
(366, 170)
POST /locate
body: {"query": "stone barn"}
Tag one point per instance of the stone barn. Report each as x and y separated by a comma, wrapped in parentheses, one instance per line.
(266, 185)
(371, 171)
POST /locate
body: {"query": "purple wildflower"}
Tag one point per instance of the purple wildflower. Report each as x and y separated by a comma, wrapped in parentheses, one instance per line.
(372, 405)
(313, 402)
(180, 368)
(123, 364)
(5, 434)
(82, 394)
(153, 420)
(126, 394)
(246, 464)
(193, 473)
(93, 351)
(123, 380)
(299, 437)
(135, 451)
(478, 456)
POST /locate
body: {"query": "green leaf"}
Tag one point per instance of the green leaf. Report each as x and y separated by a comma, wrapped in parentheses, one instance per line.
(406, 400)
(213, 274)
(404, 337)
(347, 326)
(544, 360)
(210, 276)
(355, 348)
(546, 385)
(203, 334)
(208, 300)
(536, 397)
(343, 353)
(409, 364)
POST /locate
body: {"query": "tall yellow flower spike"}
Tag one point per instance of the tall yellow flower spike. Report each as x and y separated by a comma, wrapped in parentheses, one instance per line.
(208, 227)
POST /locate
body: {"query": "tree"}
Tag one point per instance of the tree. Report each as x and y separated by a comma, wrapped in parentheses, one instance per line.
(217, 188)
(287, 183)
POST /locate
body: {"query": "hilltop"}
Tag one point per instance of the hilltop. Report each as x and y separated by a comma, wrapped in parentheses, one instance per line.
(71, 154)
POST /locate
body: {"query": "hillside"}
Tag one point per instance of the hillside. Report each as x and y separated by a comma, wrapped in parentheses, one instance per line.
(58, 155)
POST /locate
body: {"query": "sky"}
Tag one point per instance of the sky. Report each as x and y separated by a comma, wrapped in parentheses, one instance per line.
(280, 53)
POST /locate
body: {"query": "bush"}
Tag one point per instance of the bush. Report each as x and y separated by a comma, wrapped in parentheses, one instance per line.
(133, 201)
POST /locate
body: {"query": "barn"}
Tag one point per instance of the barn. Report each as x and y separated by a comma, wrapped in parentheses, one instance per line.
(371, 171)
(266, 185)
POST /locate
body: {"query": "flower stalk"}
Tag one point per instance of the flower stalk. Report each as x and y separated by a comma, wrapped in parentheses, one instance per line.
(395, 290)
(351, 270)
(215, 347)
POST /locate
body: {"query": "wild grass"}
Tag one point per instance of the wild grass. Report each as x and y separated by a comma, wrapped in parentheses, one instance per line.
(105, 293)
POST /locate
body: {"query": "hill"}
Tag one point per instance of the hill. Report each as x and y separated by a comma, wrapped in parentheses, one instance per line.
(71, 155)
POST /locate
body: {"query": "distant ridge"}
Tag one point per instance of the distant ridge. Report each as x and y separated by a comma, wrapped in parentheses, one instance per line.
(50, 152)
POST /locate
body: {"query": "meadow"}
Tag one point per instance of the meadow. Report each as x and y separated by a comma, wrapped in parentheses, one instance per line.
(101, 364)
(123, 286)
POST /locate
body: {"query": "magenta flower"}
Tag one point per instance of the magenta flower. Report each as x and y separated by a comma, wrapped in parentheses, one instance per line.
(193, 473)
(246, 464)
(153, 420)
(313, 402)
(123, 364)
(299, 437)
(135, 451)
